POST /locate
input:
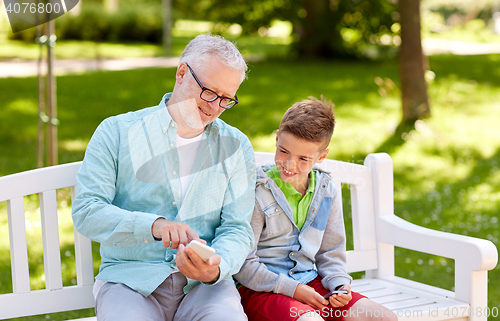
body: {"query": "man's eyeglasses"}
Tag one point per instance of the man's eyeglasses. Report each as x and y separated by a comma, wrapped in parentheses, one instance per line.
(209, 95)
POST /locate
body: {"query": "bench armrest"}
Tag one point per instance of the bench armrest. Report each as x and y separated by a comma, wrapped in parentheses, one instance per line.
(477, 254)
(473, 257)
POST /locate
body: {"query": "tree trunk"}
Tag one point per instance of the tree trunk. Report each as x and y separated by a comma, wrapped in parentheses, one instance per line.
(41, 100)
(51, 104)
(167, 17)
(411, 63)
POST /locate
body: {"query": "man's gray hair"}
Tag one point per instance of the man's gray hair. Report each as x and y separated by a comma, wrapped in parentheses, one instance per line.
(204, 46)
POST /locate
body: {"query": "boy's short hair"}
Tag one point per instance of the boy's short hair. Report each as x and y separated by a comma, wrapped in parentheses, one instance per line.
(311, 120)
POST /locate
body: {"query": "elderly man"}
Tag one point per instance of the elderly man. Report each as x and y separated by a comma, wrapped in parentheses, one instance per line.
(155, 179)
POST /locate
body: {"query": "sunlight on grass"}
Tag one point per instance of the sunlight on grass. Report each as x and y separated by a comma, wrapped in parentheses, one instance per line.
(23, 106)
(74, 145)
(473, 31)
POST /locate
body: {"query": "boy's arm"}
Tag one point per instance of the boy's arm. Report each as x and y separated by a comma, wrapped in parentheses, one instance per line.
(255, 275)
(331, 257)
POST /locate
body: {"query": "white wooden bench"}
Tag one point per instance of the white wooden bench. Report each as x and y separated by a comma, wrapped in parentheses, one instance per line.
(376, 231)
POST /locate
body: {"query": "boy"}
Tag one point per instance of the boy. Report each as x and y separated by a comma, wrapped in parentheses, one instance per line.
(299, 253)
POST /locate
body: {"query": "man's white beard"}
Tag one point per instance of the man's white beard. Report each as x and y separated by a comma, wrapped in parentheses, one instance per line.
(190, 114)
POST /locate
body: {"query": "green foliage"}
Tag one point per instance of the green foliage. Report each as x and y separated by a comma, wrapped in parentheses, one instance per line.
(322, 28)
(131, 22)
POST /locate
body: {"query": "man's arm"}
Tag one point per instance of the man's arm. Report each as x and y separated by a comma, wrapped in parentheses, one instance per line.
(94, 215)
(233, 239)
(255, 275)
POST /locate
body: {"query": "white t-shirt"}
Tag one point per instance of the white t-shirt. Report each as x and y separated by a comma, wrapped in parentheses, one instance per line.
(187, 149)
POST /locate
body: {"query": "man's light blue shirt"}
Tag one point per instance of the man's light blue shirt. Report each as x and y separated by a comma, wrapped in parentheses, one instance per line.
(130, 177)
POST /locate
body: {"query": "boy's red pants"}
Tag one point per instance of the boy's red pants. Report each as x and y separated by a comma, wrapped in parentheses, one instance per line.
(268, 306)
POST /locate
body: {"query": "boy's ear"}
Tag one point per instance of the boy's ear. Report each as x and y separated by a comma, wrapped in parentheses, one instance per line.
(323, 155)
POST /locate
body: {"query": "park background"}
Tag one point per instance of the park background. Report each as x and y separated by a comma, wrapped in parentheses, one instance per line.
(446, 166)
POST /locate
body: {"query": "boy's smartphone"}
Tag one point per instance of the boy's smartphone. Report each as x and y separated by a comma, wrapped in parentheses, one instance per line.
(204, 251)
(327, 296)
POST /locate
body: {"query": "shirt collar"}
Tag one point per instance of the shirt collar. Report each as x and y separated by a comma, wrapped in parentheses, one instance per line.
(287, 188)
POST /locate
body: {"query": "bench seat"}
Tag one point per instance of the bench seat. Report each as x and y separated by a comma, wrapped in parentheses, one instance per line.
(413, 301)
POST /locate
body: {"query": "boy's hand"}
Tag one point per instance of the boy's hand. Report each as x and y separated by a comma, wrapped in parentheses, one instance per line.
(306, 294)
(339, 300)
(192, 266)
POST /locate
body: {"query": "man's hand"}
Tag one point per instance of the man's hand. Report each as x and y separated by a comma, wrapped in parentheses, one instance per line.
(339, 300)
(192, 266)
(306, 294)
(173, 234)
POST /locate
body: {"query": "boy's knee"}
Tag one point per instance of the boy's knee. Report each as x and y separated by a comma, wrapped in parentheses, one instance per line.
(310, 317)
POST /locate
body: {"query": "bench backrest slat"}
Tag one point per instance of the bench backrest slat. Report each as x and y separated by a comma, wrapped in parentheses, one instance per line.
(50, 236)
(18, 245)
(83, 255)
(363, 256)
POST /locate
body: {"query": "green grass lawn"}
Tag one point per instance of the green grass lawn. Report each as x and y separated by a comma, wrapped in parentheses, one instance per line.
(446, 167)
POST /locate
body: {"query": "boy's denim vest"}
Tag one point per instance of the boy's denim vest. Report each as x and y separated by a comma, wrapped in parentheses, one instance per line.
(282, 247)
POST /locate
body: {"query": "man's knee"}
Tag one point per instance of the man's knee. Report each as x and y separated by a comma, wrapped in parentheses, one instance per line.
(119, 302)
(123, 316)
(367, 310)
(225, 313)
(218, 302)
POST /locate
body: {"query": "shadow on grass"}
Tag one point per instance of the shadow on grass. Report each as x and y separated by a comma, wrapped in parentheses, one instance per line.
(397, 140)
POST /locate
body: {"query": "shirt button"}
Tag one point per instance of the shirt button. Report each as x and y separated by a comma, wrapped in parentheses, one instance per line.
(276, 210)
(146, 241)
(164, 129)
(174, 203)
(291, 254)
(172, 145)
(172, 124)
(291, 272)
(174, 172)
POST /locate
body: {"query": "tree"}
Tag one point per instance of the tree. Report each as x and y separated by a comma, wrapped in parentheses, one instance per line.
(411, 63)
(322, 28)
(336, 29)
(167, 21)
